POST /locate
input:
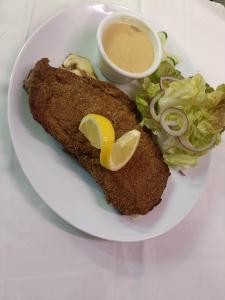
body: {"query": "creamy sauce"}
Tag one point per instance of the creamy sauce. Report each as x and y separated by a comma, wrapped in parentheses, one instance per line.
(128, 46)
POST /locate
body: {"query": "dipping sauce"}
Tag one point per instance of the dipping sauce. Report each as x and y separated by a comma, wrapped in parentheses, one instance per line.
(128, 46)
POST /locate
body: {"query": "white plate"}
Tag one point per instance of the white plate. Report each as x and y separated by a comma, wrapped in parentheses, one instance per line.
(66, 187)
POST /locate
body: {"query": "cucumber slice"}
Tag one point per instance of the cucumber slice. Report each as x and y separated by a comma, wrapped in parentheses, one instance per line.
(163, 36)
(171, 60)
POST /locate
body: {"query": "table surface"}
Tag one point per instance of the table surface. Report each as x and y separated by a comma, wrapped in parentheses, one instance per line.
(42, 257)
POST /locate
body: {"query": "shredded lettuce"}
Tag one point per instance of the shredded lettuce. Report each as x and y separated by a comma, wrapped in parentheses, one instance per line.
(203, 106)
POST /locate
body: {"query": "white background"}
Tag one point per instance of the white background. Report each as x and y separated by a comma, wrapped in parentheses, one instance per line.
(43, 258)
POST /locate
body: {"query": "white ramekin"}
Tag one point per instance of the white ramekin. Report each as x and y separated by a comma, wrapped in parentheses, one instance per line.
(112, 71)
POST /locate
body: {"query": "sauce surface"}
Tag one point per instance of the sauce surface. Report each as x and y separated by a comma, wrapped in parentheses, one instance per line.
(129, 47)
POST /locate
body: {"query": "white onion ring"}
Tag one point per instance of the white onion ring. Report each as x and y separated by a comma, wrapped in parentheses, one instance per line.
(186, 144)
(171, 123)
(166, 124)
(152, 106)
(166, 78)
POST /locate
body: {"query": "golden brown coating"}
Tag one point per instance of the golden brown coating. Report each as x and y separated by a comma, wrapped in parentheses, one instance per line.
(59, 100)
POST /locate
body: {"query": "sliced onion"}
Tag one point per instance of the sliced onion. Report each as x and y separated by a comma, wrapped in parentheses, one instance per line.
(186, 144)
(152, 106)
(171, 123)
(167, 78)
(166, 125)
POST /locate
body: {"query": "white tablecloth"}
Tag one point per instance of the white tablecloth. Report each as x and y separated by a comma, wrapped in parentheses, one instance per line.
(43, 258)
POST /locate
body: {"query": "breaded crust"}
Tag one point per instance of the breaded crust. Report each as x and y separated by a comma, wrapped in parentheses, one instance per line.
(59, 100)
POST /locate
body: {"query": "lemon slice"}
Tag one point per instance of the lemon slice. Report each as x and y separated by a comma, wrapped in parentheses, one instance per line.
(121, 151)
(97, 129)
(100, 133)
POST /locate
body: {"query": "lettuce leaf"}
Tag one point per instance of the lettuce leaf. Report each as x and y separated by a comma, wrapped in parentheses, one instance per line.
(188, 92)
(165, 69)
(203, 106)
(150, 88)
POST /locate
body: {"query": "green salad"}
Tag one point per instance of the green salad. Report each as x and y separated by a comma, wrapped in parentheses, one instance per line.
(185, 115)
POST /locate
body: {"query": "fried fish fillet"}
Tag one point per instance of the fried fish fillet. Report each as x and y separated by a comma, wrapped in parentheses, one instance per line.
(60, 99)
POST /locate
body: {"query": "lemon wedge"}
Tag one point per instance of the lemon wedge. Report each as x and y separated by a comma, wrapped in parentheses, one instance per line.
(97, 129)
(100, 133)
(121, 151)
